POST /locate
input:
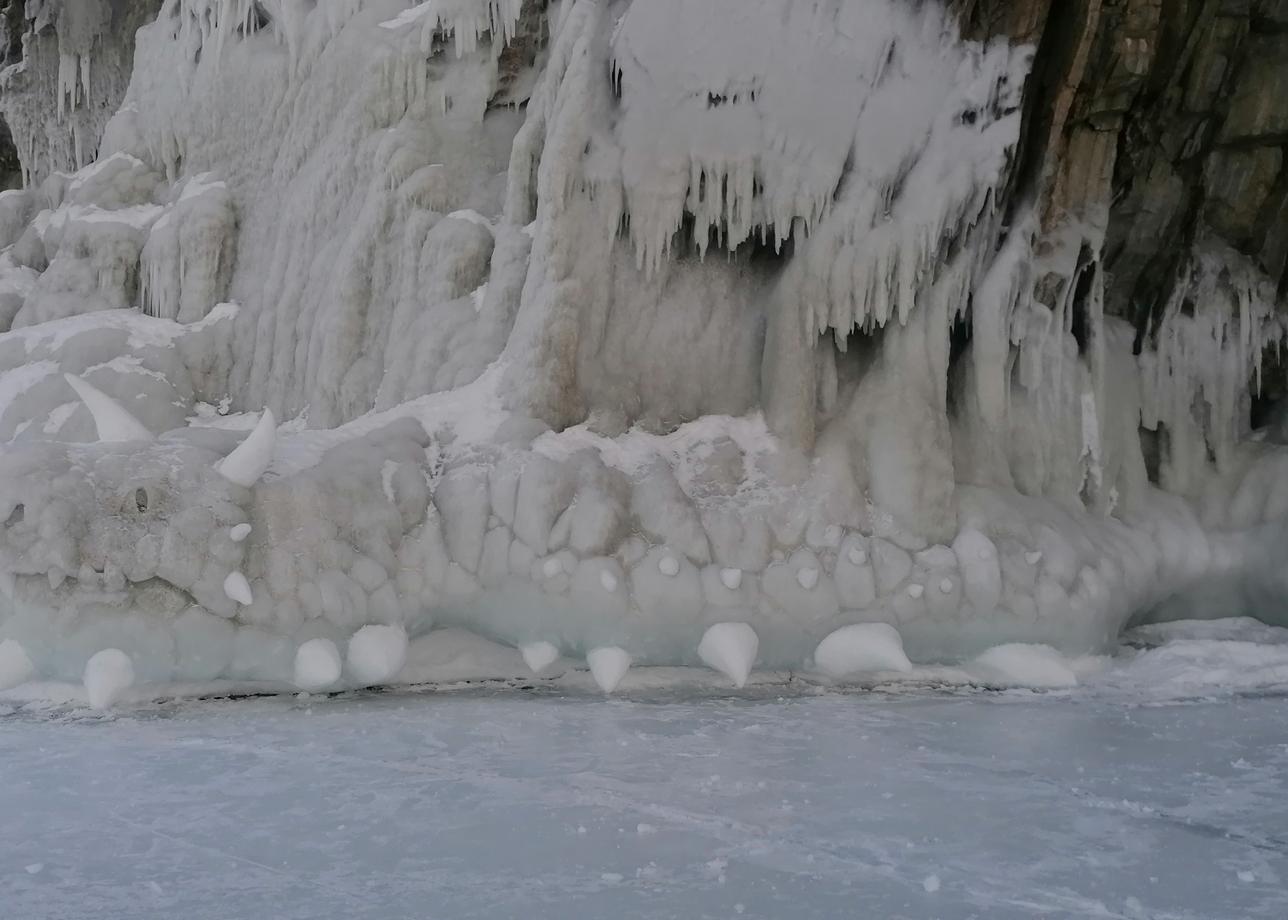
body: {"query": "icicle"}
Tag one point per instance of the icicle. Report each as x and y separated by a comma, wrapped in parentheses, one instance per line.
(68, 72)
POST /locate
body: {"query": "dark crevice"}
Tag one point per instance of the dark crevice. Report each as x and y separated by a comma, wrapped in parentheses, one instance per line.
(1153, 447)
(10, 165)
(1081, 306)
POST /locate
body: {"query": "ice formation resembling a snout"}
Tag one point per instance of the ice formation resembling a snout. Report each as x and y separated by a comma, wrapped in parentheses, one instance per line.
(621, 333)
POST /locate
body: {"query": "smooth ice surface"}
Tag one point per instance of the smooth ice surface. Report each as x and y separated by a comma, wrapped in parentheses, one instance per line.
(1114, 800)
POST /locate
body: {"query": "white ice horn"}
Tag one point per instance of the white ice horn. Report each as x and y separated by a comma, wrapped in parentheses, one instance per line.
(113, 421)
(248, 462)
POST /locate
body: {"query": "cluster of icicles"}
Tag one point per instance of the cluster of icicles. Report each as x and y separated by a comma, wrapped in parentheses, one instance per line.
(1207, 356)
(214, 22)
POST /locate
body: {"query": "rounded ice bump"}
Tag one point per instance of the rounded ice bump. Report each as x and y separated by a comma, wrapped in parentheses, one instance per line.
(108, 674)
(861, 647)
(539, 655)
(317, 665)
(731, 649)
(237, 588)
(377, 653)
(16, 667)
(608, 665)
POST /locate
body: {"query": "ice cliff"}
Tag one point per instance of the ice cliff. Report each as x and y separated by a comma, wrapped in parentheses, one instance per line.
(664, 332)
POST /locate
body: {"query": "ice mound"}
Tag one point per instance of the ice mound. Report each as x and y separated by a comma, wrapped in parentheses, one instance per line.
(539, 655)
(1035, 666)
(730, 648)
(377, 653)
(1201, 659)
(317, 665)
(15, 665)
(108, 674)
(862, 647)
(608, 665)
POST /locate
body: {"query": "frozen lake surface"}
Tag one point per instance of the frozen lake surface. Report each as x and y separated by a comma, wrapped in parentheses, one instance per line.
(1105, 801)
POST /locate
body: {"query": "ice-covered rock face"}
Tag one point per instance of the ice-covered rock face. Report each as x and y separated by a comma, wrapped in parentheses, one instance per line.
(737, 315)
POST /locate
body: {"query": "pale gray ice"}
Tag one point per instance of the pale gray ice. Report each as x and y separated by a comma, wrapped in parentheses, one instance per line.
(544, 805)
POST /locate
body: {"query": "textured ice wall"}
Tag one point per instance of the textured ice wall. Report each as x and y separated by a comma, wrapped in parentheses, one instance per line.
(597, 325)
